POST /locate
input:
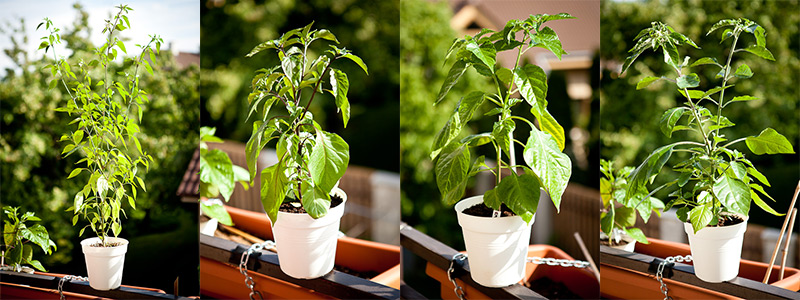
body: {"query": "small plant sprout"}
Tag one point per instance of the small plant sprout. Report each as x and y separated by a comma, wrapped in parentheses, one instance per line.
(619, 213)
(218, 177)
(545, 165)
(310, 159)
(18, 236)
(106, 111)
(715, 181)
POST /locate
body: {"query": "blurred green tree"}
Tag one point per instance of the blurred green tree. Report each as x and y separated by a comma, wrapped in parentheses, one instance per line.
(629, 118)
(33, 174)
(229, 30)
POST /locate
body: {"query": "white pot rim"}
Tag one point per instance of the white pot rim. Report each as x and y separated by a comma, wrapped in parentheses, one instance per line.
(88, 249)
(718, 233)
(305, 220)
(487, 224)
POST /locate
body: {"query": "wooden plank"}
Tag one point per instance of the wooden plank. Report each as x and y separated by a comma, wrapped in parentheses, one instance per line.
(81, 287)
(739, 287)
(409, 293)
(439, 254)
(335, 283)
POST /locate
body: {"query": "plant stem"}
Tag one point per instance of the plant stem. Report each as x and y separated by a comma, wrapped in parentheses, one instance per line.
(725, 79)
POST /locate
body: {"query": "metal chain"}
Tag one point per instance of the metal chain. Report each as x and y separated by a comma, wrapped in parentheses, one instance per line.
(458, 289)
(248, 281)
(67, 278)
(558, 262)
(660, 271)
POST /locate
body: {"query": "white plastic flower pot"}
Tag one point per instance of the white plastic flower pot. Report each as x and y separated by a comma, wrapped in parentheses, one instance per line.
(496, 247)
(716, 251)
(307, 246)
(630, 243)
(104, 264)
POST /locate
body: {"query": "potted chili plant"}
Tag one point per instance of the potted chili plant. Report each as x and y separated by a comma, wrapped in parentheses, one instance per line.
(716, 183)
(618, 217)
(106, 111)
(301, 189)
(498, 245)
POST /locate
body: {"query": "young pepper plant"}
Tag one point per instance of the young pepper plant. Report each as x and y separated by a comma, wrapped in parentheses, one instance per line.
(716, 180)
(218, 176)
(546, 166)
(617, 219)
(106, 111)
(310, 160)
(17, 235)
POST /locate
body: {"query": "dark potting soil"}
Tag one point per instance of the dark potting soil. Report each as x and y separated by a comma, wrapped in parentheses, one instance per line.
(551, 289)
(481, 210)
(728, 220)
(366, 275)
(288, 207)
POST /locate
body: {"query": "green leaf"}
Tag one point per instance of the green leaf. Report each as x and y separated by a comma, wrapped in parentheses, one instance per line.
(339, 86)
(705, 61)
(502, 132)
(216, 168)
(763, 205)
(743, 71)
(325, 34)
(769, 141)
(265, 45)
(757, 175)
(216, 211)
(74, 172)
(273, 189)
(446, 134)
(637, 235)
(548, 39)
(646, 82)
(505, 75)
(468, 105)
(532, 83)
(649, 168)
(328, 160)
(700, 216)
(761, 51)
(38, 265)
(485, 54)
(453, 75)
(451, 170)
(607, 221)
(78, 202)
(733, 193)
(475, 140)
(315, 200)
(37, 234)
(688, 81)
(122, 46)
(670, 118)
(625, 216)
(721, 24)
(694, 94)
(739, 170)
(357, 60)
(262, 133)
(760, 36)
(554, 168)
(519, 193)
(743, 98)
(548, 123)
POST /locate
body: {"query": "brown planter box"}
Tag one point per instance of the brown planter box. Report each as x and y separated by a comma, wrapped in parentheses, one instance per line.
(621, 283)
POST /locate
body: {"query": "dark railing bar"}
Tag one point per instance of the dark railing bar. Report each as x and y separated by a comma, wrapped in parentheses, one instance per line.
(409, 293)
(739, 287)
(335, 283)
(81, 287)
(439, 254)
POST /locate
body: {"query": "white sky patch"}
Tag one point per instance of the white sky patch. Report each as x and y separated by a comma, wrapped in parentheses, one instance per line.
(176, 21)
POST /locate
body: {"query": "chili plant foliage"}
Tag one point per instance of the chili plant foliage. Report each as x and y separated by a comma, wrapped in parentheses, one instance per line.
(310, 159)
(106, 111)
(616, 219)
(218, 176)
(715, 180)
(546, 166)
(17, 235)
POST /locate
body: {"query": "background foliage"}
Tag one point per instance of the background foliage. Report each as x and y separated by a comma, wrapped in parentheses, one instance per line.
(629, 135)
(368, 28)
(33, 174)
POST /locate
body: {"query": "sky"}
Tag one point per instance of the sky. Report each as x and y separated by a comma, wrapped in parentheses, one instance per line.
(176, 21)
